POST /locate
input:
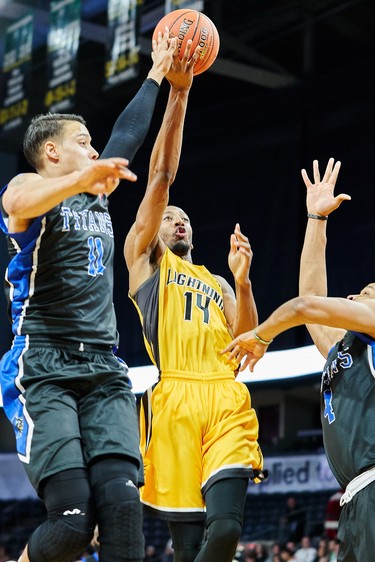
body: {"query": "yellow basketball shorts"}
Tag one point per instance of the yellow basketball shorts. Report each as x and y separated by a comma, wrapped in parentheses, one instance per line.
(194, 433)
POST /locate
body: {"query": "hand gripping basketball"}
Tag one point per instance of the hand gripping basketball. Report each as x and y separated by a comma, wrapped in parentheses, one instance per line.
(190, 24)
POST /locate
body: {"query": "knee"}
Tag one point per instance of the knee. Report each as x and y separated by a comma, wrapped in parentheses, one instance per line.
(118, 505)
(71, 518)
(224, 531)
(114, 481)
(113, 488)
(119, 511)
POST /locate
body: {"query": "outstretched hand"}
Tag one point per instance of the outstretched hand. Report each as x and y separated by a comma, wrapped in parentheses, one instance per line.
(103, 176)
(180, 75)
(320, 199)
(163, 50)
(240, 255)
(245, 346)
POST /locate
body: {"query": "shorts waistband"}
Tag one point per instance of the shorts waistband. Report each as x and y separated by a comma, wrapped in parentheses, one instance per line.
(191, 376)
(357, 484)
(70, 345)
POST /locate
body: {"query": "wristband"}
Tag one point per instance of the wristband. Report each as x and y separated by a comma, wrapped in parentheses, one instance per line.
(261, 340)
(318, 217)
(154, 81)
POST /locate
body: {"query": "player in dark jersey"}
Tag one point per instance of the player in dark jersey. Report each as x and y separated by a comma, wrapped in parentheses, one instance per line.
(344, 332)
(198, 430)
(65, 392)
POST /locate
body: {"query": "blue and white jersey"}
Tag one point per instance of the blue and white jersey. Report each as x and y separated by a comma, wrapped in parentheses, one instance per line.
(348, 406)
(59, 281)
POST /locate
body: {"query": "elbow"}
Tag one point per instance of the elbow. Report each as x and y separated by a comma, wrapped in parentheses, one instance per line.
(164, 177)
(18, 208)
(13, 206)
(304, 308)
(168, 176)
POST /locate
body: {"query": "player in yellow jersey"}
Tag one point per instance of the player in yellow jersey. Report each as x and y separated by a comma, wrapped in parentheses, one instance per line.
(198, 430)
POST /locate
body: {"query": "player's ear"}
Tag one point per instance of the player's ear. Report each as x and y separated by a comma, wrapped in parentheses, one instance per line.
(51, 151)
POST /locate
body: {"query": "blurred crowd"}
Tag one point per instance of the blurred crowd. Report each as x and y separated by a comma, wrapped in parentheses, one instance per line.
(319, 550)
(292, 543)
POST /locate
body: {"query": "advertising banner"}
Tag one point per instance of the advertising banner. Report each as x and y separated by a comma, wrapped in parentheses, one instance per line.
(122, 62)
(297, 473)
(287, 474)
(16, 73)
(62, 44)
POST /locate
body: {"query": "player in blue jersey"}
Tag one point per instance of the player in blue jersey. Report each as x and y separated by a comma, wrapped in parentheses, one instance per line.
(65, 392)
(344, 332)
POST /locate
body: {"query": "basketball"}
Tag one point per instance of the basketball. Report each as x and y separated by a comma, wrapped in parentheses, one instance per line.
(194, 25)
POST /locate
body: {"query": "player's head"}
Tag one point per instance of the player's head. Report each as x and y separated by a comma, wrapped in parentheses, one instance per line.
(50, 135)
(367, 292)
(176, 232)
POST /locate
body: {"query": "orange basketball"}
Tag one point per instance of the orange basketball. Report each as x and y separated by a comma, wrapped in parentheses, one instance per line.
(190, 24)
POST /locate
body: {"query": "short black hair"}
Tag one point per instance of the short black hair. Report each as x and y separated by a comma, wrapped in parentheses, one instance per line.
(42, 127)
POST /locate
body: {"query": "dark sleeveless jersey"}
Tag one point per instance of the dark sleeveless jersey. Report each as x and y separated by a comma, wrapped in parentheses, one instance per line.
(59, 281)
(348, 406)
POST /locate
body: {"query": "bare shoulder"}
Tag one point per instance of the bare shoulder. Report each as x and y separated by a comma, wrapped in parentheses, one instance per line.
(23, 178)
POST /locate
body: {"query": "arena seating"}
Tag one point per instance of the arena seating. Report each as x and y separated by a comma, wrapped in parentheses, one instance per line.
(262, 514)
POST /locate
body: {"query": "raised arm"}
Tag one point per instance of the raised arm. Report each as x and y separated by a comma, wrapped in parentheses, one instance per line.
(320, 202)
(132, 125)
(142, 239)
(239, 306)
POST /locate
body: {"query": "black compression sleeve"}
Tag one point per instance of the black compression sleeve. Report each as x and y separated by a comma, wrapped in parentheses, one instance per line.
(133, 123)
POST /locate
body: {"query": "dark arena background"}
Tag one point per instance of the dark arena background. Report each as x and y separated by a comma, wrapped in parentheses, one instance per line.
(294, 81)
